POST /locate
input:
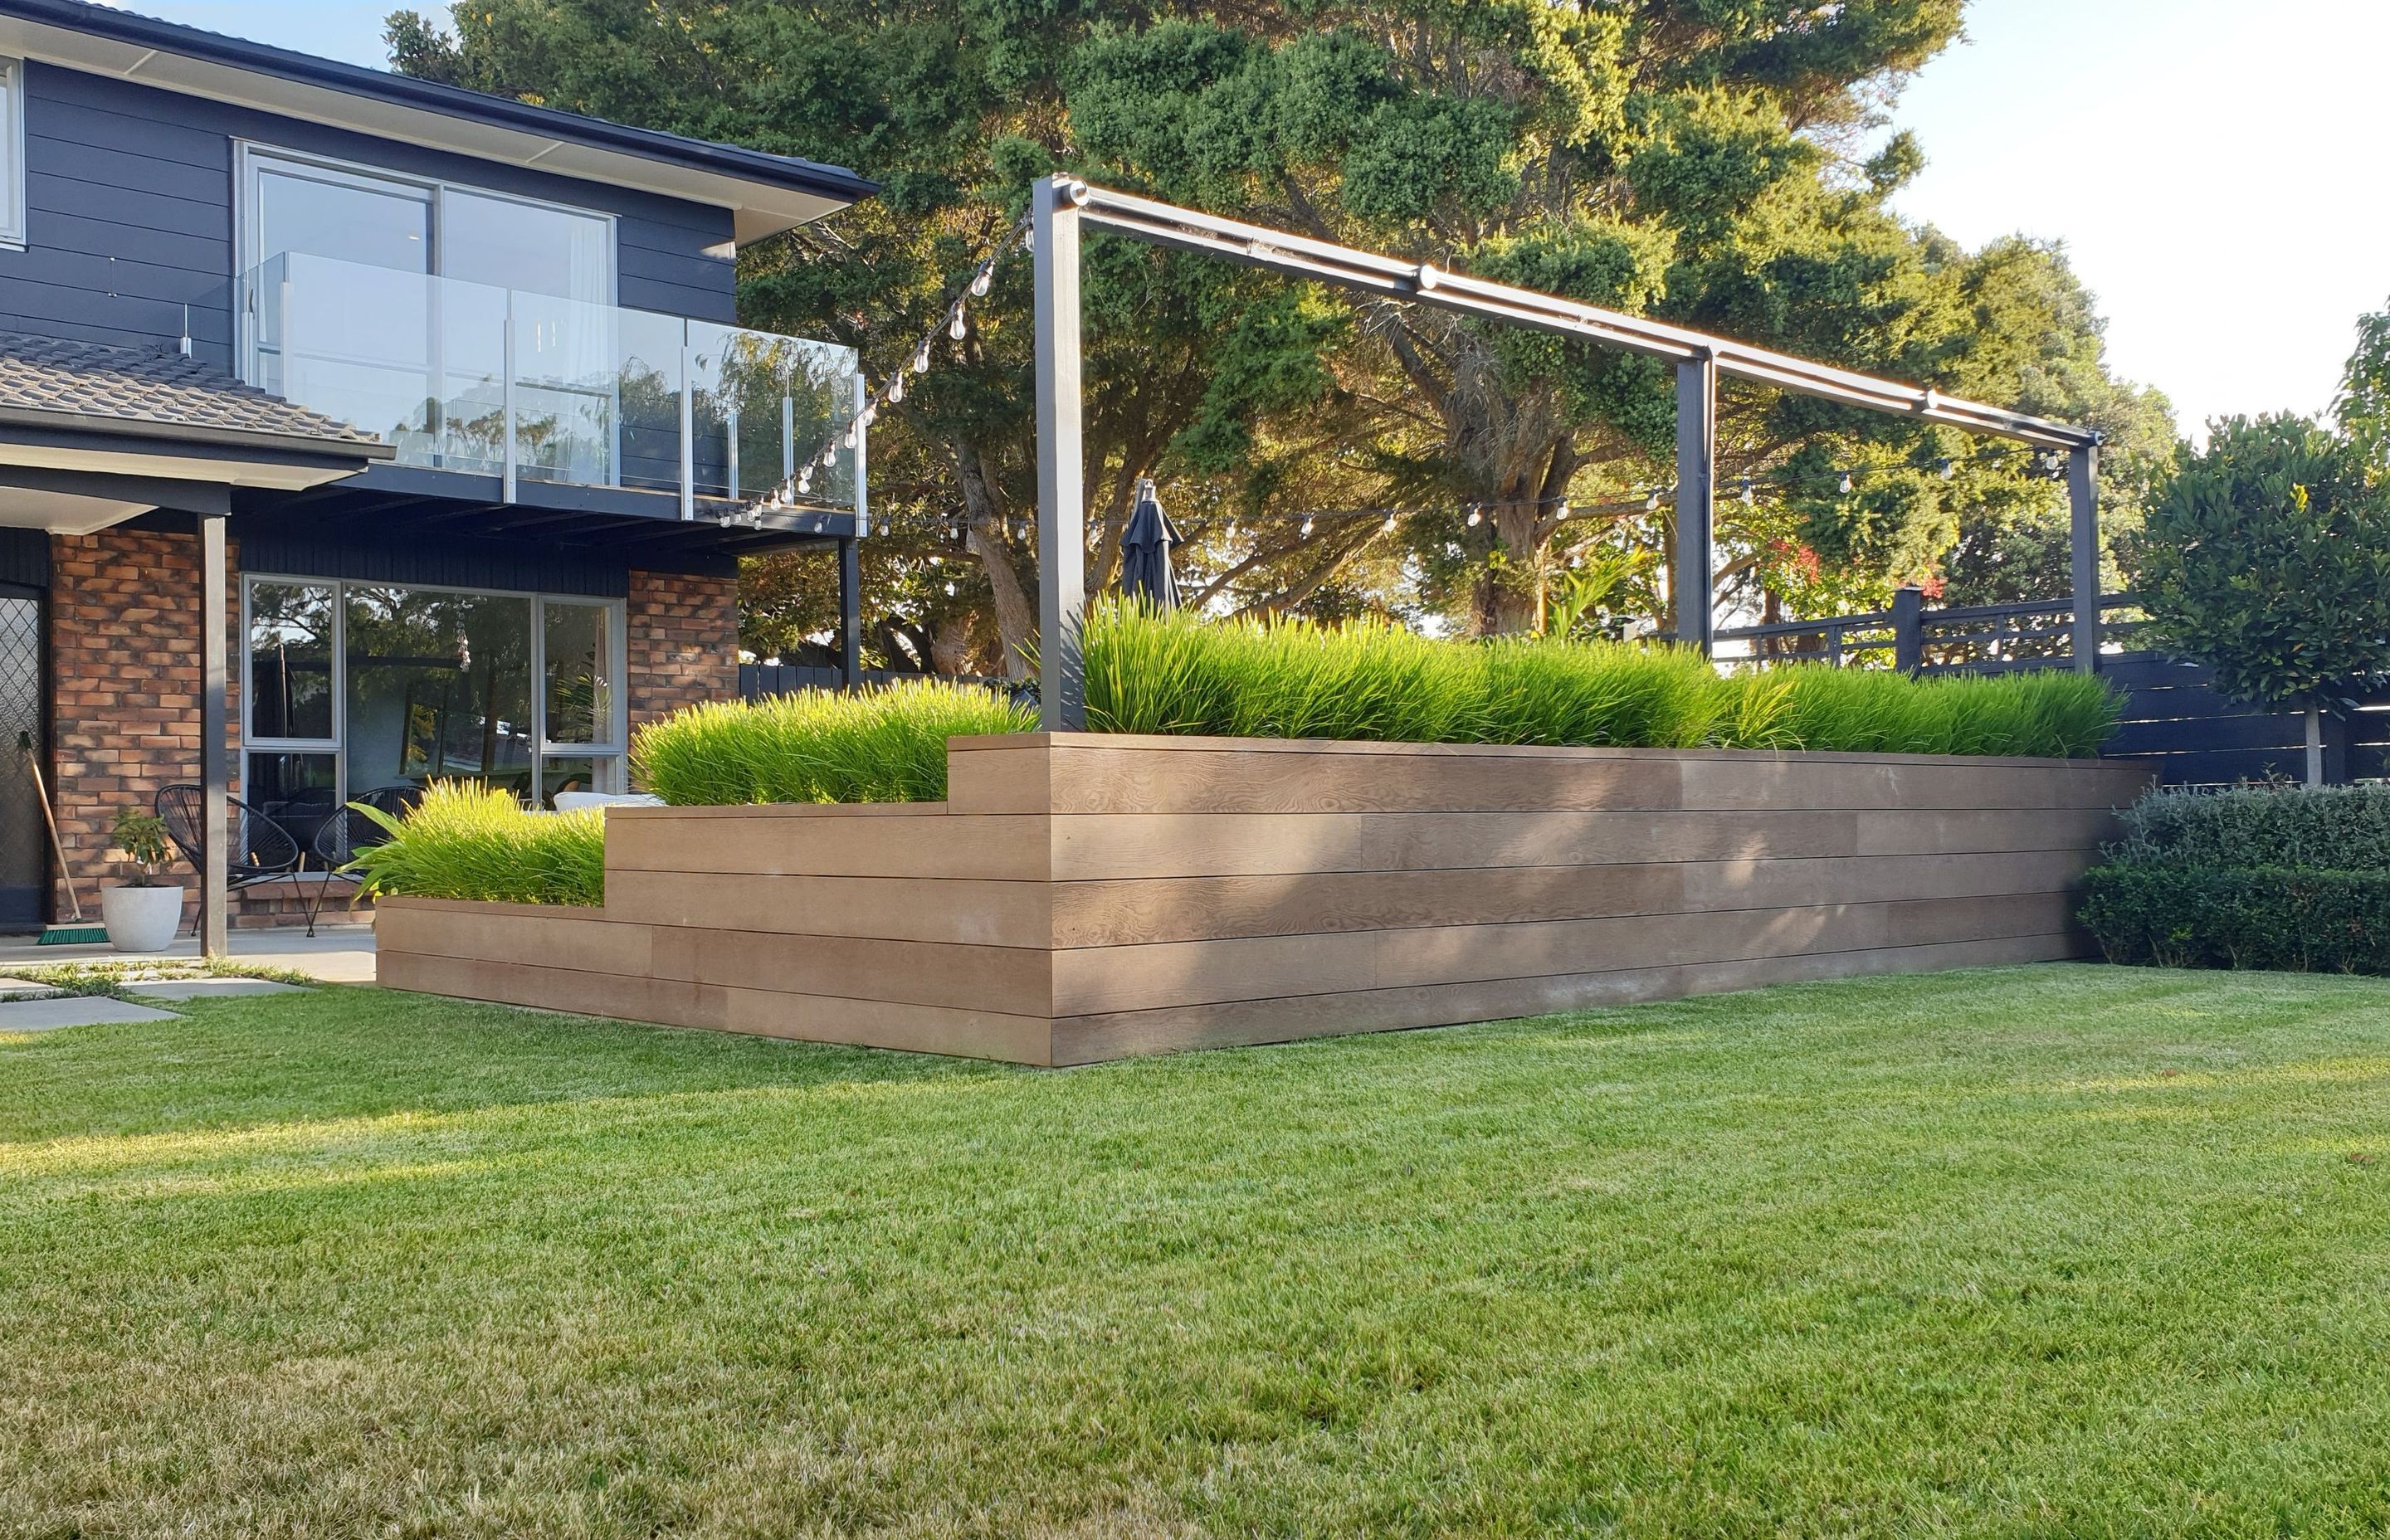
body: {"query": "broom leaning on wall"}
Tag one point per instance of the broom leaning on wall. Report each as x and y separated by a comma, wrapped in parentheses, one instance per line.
(76, 930)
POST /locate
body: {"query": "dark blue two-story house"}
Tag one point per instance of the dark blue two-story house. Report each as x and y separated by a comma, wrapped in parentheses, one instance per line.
(432, 405)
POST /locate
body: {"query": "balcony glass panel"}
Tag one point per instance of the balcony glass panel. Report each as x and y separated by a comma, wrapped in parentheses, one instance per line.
(597, 395)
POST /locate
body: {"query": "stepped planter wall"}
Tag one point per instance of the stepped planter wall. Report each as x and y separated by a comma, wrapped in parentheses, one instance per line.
(1089, 897)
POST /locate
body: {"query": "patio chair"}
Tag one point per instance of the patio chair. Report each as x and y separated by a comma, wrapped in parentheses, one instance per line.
(347, 831)
(261, 851)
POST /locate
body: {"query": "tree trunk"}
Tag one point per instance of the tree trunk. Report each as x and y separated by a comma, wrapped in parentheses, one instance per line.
(1509, 595)
(1015, 607)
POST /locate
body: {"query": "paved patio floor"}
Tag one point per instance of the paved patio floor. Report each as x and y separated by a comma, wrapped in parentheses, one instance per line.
(336, 955)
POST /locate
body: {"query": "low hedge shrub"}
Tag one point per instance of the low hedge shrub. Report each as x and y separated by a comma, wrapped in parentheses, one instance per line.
(2283, 917)
(469, 840)
(1181, 673)
(2289, 878)
(886, 745)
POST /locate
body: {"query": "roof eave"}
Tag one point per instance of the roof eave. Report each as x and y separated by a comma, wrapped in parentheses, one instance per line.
(767, 193)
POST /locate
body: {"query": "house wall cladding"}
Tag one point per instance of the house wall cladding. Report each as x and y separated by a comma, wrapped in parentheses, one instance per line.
(124, 630)
(682, 635)
(129, 210)
(1081, 898)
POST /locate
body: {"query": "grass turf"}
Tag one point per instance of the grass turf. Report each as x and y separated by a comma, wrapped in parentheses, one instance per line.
(2022, 1253)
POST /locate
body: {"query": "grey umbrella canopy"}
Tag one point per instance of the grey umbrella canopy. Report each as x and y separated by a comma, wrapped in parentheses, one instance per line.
(1145, 551)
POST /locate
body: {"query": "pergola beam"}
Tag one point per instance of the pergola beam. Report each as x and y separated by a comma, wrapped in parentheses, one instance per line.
(1061, 206)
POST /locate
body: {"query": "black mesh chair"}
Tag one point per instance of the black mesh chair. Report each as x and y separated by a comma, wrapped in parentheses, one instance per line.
(347, 831)
(262, 850)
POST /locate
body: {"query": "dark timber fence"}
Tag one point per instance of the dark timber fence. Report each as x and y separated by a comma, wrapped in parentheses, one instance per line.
(2174, 718)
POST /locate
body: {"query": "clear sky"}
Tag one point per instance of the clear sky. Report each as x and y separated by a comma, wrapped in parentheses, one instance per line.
(2204, 161)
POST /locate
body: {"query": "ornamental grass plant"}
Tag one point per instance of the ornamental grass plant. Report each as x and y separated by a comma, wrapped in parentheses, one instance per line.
(468, 840)
(883, 745)
(1182, 673)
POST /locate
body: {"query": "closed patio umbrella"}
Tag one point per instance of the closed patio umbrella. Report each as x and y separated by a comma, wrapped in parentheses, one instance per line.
(1145, 551)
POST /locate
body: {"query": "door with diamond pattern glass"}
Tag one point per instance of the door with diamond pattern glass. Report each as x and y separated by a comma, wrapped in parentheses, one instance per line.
(24, 846)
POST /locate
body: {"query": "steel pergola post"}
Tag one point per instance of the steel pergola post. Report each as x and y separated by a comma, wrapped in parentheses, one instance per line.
(1696, 501)
(1062, 459)
(2083, 500)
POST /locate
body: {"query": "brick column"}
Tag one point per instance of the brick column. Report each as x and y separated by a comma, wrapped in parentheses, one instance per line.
(682, 636)
(124, 651)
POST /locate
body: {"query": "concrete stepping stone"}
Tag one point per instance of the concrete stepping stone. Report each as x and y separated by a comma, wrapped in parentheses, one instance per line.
(75, 1010)
(208, 989)
(27, 989)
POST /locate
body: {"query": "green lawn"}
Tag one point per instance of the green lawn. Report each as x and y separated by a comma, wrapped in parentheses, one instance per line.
(2056, 1251)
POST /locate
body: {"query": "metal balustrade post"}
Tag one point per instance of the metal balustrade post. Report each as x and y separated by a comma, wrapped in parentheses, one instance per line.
(730, 436)
(2083, 500)
(862, 455)
(787, 437)
(1062, 459)
(509, 470)
(687, 426)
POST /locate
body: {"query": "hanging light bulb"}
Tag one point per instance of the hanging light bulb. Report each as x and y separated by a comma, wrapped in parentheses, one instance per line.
(896, 388)
(979, 279)
(847, 439)
(1747, 498)
(955, 327)
(871, 415)
(1845, 485)
(950, 590)
(1028, 236)
(922, 357)
(1652, 504)
(1949, 469)
(937, 561)
(804, 480)
(1475, 519)
(1306, 527)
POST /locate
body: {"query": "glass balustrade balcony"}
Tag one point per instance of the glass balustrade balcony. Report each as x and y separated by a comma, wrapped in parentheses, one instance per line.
(531, 388)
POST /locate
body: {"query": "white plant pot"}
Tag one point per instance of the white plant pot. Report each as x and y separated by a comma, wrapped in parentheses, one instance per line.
(141, 919)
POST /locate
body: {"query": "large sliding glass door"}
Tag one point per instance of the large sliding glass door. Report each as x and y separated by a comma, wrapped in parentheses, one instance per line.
(411, 342)
(355, 687)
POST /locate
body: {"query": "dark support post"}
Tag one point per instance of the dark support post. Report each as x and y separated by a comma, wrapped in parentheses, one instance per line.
(2083, 495)
(850, 614)
(1061, 461)
(1696, 500)
(1907, 628)
(216, 621)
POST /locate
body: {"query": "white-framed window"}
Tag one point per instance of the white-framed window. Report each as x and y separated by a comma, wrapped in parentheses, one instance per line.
(291, 201)
(12, 144)
(351, 687)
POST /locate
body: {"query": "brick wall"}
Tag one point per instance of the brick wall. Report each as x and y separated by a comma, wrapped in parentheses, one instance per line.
(124, 649)
(684, 642)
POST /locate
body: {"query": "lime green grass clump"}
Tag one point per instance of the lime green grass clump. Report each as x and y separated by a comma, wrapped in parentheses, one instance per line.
(469, 840)
(1181, 673)
(885, 745)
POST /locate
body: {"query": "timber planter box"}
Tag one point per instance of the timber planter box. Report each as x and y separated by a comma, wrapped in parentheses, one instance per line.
(1088, 897)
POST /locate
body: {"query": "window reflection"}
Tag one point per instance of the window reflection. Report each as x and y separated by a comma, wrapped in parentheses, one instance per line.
(579, 662)
(290, 660)
(439, 688)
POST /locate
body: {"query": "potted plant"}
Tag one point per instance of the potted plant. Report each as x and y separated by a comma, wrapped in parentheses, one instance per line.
(142, 915)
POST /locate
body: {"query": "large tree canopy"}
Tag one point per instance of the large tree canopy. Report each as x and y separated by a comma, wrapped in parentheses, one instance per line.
(1693, 159)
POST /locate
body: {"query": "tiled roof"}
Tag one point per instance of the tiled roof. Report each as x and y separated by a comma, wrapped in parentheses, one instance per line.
(89, 380)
